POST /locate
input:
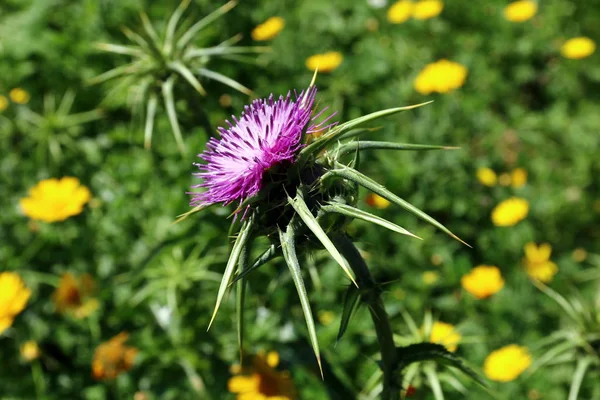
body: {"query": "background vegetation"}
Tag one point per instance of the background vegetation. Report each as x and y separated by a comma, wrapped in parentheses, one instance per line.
(522, 105)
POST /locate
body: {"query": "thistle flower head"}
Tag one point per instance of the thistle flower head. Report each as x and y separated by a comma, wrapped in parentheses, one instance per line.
(268, 133)
(295, 180)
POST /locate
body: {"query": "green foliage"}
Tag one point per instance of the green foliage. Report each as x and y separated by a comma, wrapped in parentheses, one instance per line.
(522, 105)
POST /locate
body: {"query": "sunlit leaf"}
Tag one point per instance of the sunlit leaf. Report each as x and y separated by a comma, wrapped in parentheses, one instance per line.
(288, 246)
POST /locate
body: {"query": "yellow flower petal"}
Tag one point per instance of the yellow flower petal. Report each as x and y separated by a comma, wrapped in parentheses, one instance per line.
(520, 11)
(13, 298)
(325, 62)
(3, 103)
(518, 177)
(507, 363)
(272, 359)
(243, 384)
(53, 200)
(400, 11)
(375, 200)
(19, 96)
(510, 212)
(426, 9)
(442, 76)
(578, 48)
(483, 281)
(445, 334)
(269, 29)
(487, 176)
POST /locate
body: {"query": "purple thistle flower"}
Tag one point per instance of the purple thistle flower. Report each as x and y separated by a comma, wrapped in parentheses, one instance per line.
(268, 133)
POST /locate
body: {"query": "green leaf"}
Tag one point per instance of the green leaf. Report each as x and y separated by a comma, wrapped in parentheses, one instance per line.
(150, 113)
(114, 73)
(238, 247)
(154, 39)
(434, 382)
(582, 366)
(351, 301)
(372, 145)
(353, 212)
(225, 80)
(167, 90)
(188, 36)
(288, 245)
(433, 352)
(335, 133)
(240, 296)
(66, 103)
(188, 76)
(172, 25)
(363, 180)
(120, 49)
(311, 222)
(557, 297)
(223, 51)
(264, 258)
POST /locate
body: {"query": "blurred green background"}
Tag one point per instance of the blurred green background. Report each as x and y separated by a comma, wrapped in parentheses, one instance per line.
(522, 105)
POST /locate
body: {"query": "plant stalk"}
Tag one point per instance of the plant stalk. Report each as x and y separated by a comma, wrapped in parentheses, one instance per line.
(371, 294)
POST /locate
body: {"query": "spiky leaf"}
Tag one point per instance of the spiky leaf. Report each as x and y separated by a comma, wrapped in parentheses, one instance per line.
(351, 301)
(288, 246)
(264, 258)
(238, 248)
(311, 222)
(433, 352)
(354, 212)
(335, 133)
(373, 145)
(353, 175)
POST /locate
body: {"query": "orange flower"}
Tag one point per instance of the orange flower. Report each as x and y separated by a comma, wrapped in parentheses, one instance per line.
(483, 281)
(74, 295)
(375, 200)
(261, 381)
(113, 358)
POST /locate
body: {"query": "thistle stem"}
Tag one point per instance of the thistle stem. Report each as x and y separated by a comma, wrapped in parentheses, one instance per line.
(371, 294)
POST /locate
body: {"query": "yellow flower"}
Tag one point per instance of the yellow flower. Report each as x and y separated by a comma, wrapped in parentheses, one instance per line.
(19, 96)
(577, 48)
(13, 298)
(483, 281)
(426, 9)
(400, 11)
(442, 76)
(445, 334)
(579, 254)
(326, 317)
(326, 62)
(507, 363)
(269, 29)
(537, 262)
(518, 177)
(375, 200)
(504, 179)
(487, 176)
(3, 103)
(74, 295)
(30, 350)
(113, 358)
(430, 277)
(261, 381)
(520, 11)
(436, 259)
(54, 200)
(510, 212)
